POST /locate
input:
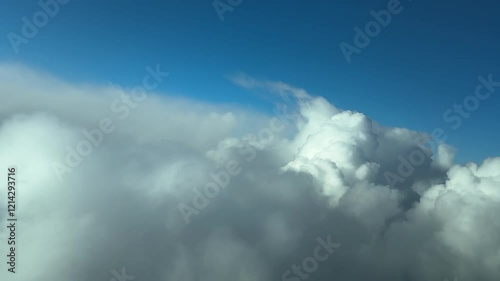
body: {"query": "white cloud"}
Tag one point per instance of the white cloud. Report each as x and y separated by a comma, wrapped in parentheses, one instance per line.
(322, 176)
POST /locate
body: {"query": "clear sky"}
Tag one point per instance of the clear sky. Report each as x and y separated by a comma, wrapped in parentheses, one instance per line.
(423, 62)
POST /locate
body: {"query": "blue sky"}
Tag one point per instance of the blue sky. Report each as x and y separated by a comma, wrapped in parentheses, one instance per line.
(427, 59)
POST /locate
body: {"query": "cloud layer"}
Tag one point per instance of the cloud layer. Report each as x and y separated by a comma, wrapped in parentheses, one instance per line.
(184, 190)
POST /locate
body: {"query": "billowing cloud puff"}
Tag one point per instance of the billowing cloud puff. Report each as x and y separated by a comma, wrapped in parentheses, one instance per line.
(113, 185)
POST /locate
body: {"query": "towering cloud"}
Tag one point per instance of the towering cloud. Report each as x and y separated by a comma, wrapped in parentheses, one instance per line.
(184, 190)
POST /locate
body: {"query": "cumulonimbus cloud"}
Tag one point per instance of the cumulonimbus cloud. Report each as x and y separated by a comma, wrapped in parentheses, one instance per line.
(324, 174)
